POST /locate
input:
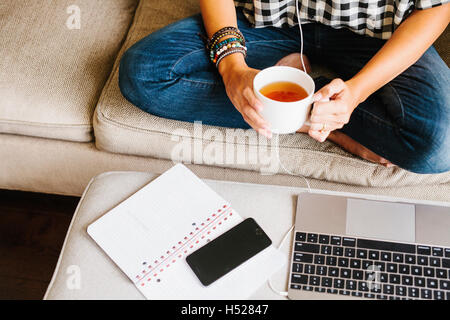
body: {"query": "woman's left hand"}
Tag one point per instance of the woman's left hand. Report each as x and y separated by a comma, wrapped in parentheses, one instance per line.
(333, 106)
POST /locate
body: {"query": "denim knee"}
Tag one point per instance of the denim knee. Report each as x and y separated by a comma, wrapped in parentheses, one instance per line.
(130, 81)
(432, 154)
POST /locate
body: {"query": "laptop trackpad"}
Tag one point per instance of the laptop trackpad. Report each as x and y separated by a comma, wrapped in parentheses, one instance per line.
(382, 220)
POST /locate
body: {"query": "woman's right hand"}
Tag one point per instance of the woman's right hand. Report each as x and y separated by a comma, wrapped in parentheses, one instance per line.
(238, 79)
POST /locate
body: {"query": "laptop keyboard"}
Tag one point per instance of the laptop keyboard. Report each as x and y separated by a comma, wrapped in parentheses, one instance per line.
(371, 269)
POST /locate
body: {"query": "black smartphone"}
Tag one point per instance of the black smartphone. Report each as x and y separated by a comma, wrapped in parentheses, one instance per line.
(228, 251)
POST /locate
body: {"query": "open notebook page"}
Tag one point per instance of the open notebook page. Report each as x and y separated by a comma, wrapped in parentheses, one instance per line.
(150, 234)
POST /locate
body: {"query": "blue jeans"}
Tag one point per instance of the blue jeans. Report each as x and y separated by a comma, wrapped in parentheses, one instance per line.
(168, 74)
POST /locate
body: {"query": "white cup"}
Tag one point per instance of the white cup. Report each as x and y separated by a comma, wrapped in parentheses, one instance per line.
(284, 117)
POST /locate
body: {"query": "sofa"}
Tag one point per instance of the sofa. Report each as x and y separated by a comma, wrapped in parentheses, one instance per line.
(63, 119)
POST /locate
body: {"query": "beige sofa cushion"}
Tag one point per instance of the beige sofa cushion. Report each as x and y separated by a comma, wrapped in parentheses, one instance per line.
(51, 76)
(121, 127)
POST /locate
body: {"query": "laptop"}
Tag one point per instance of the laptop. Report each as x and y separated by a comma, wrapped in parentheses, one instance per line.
(365, 247)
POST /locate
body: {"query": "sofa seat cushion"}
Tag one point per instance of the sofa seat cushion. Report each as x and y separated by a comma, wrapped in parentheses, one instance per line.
(122, 128)
(52, 69)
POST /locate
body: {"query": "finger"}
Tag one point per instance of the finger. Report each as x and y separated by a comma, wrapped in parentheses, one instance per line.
(330, 126)
(252, 100)
(328, 108)
(255, 117)
(330, 118)
(320, 136)
(265, 132)
(334, 87)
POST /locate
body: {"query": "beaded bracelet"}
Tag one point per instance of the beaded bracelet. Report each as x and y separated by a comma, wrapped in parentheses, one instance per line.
(223, 32)
(226, 48)
(229, 52)
(221, 45)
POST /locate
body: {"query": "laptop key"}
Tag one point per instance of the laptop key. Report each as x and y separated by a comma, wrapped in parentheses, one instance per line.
(324, 239)
(312, 237)
(428, 272)
(355, 263)
(424, 250)
(388, 289)
(357, 294)
(384, 277)
(362, 286)
(327, 282)
(299, 278)
(332, 291)
(325, 249)
(338, 283)
(416, 271)
(358, 274)
(314, 281)
(394, 278)
(333, 272)
(348, 242)
(423, 261)
(441, 273)
(419, 282)
(447, 252)
(407, 280)
(413, 292)
(338, 251)
(382, 297)
(386, 256)
(361, 253)
(300, 236)
(346, 273)
(336, 240)
(369, 295)
(435, 262)
(309, 269)
(344, 292)
(303, 257)
(321, 270)
(331, 261)
(432, 283)
(320, 289)
(391, 267)
(307, 288)
(403, 269)
(296, 286)
(350, 285)
(297, 267)
(397, 257)
(426, 294)
(374, 255)
(444, 285)
(343, 262)
(319, 259)
(307, 247)
(437, 252)
(438, 295)
(446, 263)
(400, 291)
(349, 252)
(410, 259)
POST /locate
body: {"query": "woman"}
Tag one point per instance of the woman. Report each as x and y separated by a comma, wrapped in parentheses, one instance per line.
(391, 104)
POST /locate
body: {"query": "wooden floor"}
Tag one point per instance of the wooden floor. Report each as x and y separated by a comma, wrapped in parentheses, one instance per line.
(32, 231)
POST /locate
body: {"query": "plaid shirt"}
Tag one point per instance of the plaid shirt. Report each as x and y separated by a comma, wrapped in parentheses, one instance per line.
(374, 18)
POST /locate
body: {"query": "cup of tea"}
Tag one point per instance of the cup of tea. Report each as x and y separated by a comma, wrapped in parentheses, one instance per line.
(286, 94)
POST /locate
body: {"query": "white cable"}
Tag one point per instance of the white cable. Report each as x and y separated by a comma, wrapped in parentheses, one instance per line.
(281, 293)
(301, 34)
(285, 293)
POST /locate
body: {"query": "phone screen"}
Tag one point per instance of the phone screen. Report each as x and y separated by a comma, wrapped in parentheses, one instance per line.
(228, 251)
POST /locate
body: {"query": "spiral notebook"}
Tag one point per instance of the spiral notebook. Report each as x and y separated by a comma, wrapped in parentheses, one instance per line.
(149, 235)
